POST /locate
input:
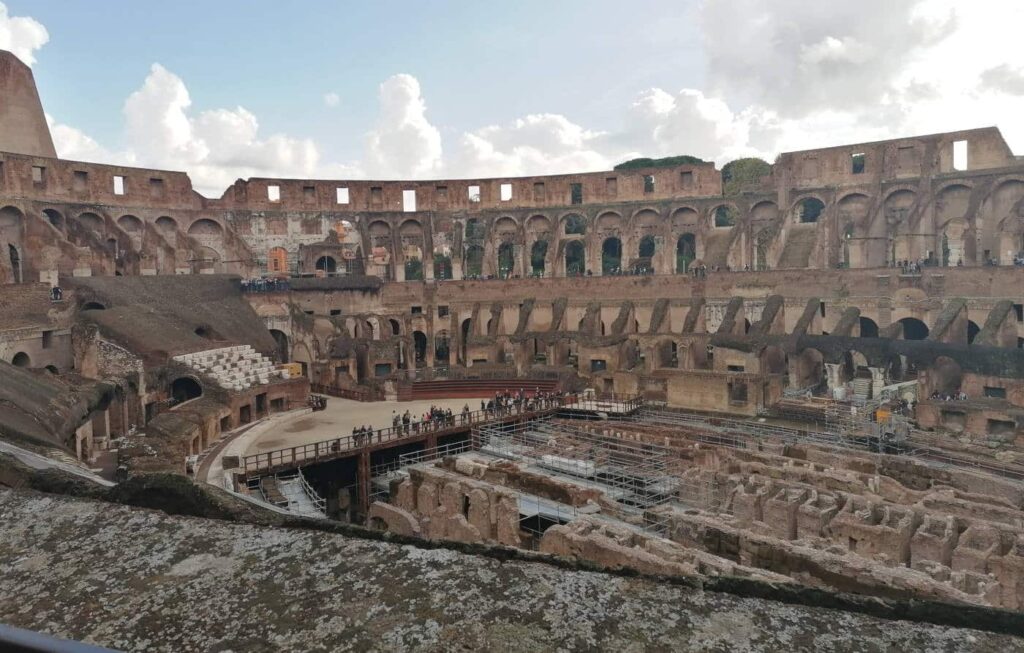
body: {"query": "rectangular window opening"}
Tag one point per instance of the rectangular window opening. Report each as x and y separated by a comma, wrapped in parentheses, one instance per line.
(416, 310)
(611, 186)
(538, 191)
(821, 307)
(857, 163)
(408, 201)
(274, 193)
(960, 155)
(1018, 309)
(335, 311)
(38, 175)
(648, 183)
(506, 192)
(995, 392)
(47, 339)
(376, 195)
(442, 311)
(441, 193)
(474, 193)
(576, 193)
(309, 193)
(686, 179)
(80, 180)
(341, 195)
(118, 185)
(156, 187)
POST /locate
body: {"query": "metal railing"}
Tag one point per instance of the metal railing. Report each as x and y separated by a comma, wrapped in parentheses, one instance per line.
(319, 502)
(357, 394)
(314, 452)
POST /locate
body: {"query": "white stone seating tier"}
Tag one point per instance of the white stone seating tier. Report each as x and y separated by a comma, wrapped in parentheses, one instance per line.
(234, 368)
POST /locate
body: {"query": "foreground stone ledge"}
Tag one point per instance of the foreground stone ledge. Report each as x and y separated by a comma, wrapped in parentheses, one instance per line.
(136, 579)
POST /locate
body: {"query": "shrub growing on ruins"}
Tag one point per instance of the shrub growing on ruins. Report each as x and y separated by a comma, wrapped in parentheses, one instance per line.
(743, 175)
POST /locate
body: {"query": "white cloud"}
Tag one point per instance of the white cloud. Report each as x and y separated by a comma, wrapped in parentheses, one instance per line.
(21, 35)
(537, 144)
(75, 145)
(794, 57)
(789, 75)
(404, 143)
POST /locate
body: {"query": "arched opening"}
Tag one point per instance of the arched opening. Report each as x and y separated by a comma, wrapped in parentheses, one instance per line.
(327, 265)
(506, 260)
(644, 264)
(15, 257)
(868, 328)
(647, 247)
(442, 266)
(972, 331)
(855, 366)
(414, 269)
(945, 376)
(762, 244)
(129, 223)
(277, 260)
(167, 224)
(575, 225)
(91, 221)
(55, 218)
(575, 259)
(914, 329)
(538, 253)
(281, 340)
(810, 369)
(474, 260)
(205, 227)
(464, 330)
(52, 369)
(474, 229)
(93, 306)
(725, 216)
(396, 328)
(847, 235)
(774, 360)
(21, 359)
(419, 341)
(809, 209)
(611, 256)
(686, 252)
(185, 388)
(667, 354)
(441, 349)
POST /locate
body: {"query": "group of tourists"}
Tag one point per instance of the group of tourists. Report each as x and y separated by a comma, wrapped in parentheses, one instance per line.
(362, 435)
(263, 284)
(317, 402)
(956, 396)
(507, 403)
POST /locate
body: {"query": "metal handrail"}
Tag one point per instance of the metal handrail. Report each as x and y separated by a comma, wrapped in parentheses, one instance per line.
(325, 449)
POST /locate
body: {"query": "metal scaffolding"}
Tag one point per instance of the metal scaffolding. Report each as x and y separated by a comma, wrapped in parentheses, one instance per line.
(635, 475)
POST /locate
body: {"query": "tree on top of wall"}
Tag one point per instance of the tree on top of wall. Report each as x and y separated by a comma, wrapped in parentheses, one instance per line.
(743, 175)
(665, 162)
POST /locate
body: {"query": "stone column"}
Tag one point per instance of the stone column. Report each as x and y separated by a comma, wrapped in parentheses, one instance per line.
(877, 381)
(832, 375)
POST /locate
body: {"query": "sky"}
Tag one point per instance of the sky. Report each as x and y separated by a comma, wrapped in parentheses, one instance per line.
(417, 90)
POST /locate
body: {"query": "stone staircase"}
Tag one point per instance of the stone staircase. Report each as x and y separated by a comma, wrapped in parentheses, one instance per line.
(799, 244)
(234, 368)
(861, 388)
